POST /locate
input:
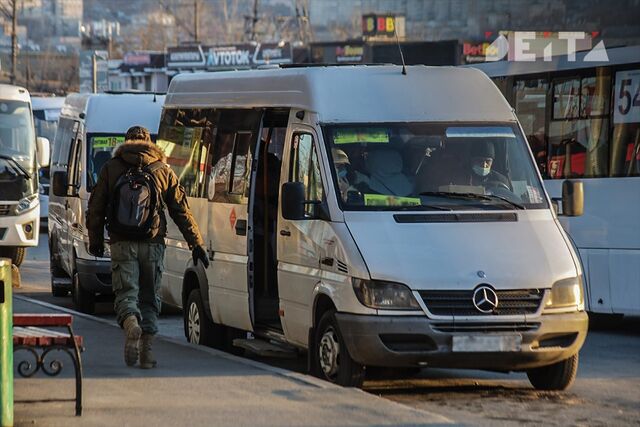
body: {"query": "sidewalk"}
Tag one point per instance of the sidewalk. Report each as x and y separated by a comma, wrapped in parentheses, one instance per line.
(193, 386)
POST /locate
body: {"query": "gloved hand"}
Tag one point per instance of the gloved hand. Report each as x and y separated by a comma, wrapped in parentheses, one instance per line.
(96, 249)
(200, 254)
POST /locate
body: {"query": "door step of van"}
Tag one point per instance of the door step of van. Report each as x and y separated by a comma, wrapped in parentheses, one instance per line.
(266, 348)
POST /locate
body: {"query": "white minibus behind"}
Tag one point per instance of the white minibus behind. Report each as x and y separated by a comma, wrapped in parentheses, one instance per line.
(371, 218)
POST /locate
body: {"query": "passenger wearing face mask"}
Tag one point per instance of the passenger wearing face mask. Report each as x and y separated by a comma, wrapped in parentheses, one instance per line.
(482, 157)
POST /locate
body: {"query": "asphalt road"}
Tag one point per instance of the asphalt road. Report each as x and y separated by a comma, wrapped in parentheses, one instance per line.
(607, 391)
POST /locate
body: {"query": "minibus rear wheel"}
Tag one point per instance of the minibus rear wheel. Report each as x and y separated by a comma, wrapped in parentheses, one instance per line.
(332, 361)
(559, 376)
(198, 327)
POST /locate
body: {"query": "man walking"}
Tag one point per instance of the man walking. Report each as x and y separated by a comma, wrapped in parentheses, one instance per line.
(129, 198)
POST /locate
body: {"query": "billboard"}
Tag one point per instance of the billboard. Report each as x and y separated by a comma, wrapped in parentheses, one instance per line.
(241, 55)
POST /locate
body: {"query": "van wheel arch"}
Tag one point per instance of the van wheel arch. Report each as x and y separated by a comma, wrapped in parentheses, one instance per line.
(195, 279)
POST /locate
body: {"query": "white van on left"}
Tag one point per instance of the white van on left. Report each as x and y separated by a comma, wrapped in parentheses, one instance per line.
(21, 154)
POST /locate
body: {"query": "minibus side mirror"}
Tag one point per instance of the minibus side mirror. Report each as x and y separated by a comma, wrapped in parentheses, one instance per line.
(572, 198)
(292, 201)
(42, 151)
(59, 183)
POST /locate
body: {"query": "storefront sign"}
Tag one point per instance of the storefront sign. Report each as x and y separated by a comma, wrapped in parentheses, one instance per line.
(385, 25)
(247, 55)
(134, 58)
(474, 52)
(349, 53)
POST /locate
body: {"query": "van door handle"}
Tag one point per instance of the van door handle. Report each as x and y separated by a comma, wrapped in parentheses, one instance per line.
(241, 227)
(285, 233)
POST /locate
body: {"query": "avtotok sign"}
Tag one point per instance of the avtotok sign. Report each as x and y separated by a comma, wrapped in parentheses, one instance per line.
(226, 57)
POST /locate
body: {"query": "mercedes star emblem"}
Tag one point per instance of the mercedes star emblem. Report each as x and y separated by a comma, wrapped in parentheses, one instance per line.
(485, 299)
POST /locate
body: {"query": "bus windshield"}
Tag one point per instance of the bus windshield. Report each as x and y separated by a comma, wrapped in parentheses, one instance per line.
(429, 166)
(17, 139)
(46, 122)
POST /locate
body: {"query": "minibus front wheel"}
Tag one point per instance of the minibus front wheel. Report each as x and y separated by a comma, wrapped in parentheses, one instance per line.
(559, 376)
(332, 361)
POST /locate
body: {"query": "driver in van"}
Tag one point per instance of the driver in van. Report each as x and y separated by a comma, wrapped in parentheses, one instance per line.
(348, 180)
(482, 156)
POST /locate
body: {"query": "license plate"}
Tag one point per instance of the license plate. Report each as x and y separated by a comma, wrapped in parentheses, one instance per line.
(488, 343)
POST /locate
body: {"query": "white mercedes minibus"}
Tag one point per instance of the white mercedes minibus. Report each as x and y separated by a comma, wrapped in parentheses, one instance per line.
(371, 218)
(21, 156)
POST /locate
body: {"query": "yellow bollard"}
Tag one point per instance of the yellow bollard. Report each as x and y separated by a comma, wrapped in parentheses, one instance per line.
(6, 344)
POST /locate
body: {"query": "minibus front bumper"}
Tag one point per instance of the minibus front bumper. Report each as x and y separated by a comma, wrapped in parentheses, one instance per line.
(407, 341)
(94, 276)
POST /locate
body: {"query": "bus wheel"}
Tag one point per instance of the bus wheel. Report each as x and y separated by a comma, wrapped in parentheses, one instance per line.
(15, 253)
(559, 376)
(332, 360)
(199, 328)
(84, 300)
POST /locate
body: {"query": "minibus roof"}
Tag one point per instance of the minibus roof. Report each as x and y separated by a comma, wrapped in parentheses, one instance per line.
(350, 94)
(47, 102)
(14, 93)
(115, 113)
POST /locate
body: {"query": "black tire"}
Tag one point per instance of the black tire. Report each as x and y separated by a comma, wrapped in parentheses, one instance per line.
(16, 254)
(559, 376)
(331, 360)
(84, 300)
(199, 329)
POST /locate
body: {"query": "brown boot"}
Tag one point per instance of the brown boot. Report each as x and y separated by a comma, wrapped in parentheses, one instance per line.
(147, 361)
(132, 334)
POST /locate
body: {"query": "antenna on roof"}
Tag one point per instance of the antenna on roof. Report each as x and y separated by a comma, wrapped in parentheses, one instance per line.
(154, 97)
(404, 66)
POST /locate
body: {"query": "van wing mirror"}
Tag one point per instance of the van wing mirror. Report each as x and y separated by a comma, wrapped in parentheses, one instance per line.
(572, 198)
(292, 201)
(59, 183)
(43, 153)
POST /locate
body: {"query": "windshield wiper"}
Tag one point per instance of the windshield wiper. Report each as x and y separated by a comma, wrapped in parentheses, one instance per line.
(471, 196)
(16, 165)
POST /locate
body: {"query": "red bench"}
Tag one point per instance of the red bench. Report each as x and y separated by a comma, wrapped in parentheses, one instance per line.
(31, 333)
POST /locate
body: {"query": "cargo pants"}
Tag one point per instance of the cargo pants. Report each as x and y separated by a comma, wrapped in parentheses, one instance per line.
(136, 271)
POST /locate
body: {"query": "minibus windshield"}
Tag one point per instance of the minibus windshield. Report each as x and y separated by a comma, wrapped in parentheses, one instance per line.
(100, 147)
(17, 139)
(432, 166)
(99, 150)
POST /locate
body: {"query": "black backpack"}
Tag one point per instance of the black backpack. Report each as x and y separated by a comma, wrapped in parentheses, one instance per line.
(136, 207)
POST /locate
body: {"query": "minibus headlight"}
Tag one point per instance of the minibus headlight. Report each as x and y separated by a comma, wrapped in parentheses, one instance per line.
(567, 295)
(27, 203)
(384, 295)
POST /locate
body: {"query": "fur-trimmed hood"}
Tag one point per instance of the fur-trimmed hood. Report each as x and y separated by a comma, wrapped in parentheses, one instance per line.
(139, 153)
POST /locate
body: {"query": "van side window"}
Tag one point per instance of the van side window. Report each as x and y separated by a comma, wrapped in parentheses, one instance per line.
(75, 156)
(62, 143)
(186, 136)
(305, 168)
(231, 160)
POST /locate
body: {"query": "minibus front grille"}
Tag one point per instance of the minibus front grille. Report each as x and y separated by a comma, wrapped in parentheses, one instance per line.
(485, 327)
(3, 231)
(460, 303)
(5, 210)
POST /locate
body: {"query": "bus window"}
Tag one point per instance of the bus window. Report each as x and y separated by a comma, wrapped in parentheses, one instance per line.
(579, 129)
(530, 103)
(625, 143)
